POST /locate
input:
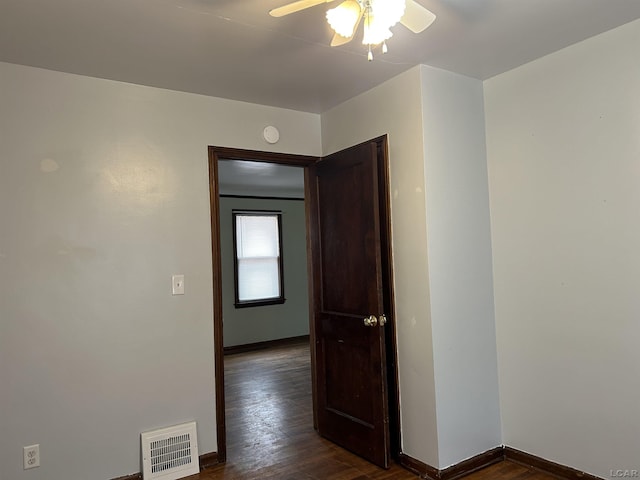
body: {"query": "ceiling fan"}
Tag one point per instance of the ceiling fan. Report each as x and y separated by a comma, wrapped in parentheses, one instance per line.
(379, 16)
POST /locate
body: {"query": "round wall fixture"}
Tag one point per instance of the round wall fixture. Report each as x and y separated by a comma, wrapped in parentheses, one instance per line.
(271, 134)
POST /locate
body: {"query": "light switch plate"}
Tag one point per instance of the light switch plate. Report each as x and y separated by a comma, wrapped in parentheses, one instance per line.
(177, 284)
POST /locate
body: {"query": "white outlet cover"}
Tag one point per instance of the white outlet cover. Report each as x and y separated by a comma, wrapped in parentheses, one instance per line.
(177, 284)
(31, 456)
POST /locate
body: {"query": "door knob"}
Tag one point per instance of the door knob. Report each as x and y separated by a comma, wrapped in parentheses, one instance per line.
(382, 320)
(370, 321)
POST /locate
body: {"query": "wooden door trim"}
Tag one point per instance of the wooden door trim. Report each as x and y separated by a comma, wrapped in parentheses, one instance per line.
(389, 295)
(218, 345)
(216, 153)
(227, 153)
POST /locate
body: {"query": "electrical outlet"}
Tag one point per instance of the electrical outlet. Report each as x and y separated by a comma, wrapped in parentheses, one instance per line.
(31, 456)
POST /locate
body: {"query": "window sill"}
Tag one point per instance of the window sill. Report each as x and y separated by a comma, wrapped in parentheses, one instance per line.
(260, 303)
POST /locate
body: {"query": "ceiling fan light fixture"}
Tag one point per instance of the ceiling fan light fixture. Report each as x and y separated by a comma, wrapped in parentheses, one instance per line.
(388, 12)
(375, 32)
(378, 17)
(344, 18)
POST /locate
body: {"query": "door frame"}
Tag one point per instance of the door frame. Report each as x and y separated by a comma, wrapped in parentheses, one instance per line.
(224, 153)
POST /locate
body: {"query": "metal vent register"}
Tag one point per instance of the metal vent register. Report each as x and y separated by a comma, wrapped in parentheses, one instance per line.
(170, 453)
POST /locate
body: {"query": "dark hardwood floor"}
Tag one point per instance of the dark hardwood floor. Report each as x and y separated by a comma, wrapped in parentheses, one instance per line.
(270, 431)
(508, 470)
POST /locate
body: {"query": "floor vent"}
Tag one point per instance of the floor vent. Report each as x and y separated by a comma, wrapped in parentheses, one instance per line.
(170, 453)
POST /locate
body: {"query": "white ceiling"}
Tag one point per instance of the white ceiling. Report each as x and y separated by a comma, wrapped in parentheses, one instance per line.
(234, 49)
(240, 177)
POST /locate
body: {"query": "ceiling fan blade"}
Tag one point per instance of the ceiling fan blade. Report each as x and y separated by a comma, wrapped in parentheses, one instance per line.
(338, 39)
(295, 7)
(416, 18)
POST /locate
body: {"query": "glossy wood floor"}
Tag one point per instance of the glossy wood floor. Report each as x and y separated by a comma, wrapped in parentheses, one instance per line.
(270, 432)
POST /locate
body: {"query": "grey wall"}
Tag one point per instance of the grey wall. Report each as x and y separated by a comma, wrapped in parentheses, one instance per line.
(563, 143)
(441, 256)
(460, 268)
(104, 194)
(358, 120)
(269, 322)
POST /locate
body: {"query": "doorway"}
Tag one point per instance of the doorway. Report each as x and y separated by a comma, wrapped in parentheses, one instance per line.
(222, 153)
(262, 212)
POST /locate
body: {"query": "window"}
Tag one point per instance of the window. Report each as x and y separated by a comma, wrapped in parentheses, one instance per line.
(257, 245)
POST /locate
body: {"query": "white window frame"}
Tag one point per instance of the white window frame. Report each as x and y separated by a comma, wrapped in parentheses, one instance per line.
(238, 259)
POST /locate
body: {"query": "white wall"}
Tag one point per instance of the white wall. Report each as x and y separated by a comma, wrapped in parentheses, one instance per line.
(563, 137)
(460, 271)
(441, 256)
(269, 322)
(104, 195)
(395, 108)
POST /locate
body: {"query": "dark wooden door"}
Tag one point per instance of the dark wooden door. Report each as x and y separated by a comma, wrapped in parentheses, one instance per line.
(349, 372)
